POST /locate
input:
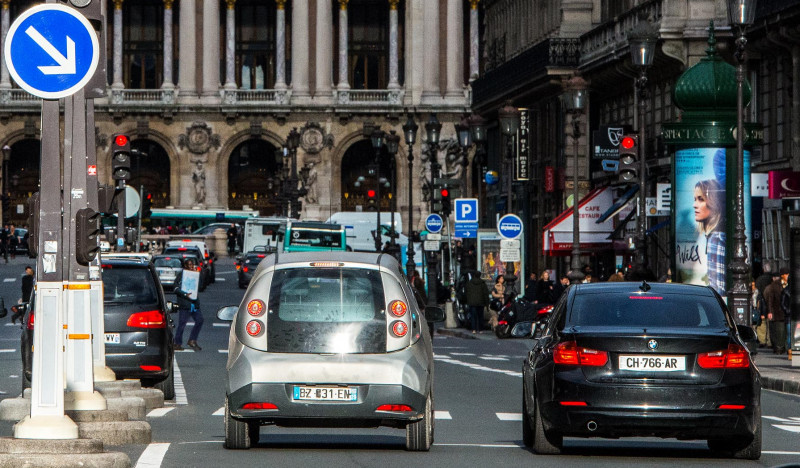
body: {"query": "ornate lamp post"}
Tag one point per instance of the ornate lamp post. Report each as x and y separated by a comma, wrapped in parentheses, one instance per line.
(741, 14)
(293, 191)
(410, 132)
(575, 102)
(642, 39)
(465, 141)
(432, 131)
(509, 118)
(392, 145)
(477, 126)
(377, 143)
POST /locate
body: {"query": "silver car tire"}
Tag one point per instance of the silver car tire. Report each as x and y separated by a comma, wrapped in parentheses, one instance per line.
(237, 433)
(419, 434)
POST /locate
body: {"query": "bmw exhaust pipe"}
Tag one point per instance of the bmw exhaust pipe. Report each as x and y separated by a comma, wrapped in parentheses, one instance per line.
(592, 426)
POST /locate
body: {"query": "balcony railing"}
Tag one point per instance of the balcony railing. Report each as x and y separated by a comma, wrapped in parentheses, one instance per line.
(142, 96)
(360, 97)
(18, 97)
(277, 97)
(612, 36)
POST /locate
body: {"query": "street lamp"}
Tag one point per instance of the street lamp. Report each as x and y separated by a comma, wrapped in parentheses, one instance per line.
(509, 117)
(575, 102)
(432, 129)
(642, 39)
(741, 14)
(465, 141)
(410, 132)
(376, 137)
(294, 194)
(5, 192)
(477, 126)
(392, 145)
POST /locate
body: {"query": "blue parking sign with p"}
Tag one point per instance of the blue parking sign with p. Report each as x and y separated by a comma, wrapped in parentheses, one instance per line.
(466, 210)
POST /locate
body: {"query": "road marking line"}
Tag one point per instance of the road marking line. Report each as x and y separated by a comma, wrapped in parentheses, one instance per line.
(232, 272)
(7, 350)
(219, 412)
(153, 455)
(478, 366)
(158, 412)
(514, 446)
(778, 452)
(787, 428)
(180, 390)
(442, 415)
(463, 354)
(221, 324)
(12, 325)
(9, 280)
(775, 418)
(492, 358)
(222, 351)
(219, 279)
(509, 416)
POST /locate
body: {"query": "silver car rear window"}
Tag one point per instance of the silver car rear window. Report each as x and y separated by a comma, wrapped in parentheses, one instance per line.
(326, 310)
(630, 310)
(168, 262)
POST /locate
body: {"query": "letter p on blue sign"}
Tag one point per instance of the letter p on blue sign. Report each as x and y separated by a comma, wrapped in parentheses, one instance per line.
(466, 210)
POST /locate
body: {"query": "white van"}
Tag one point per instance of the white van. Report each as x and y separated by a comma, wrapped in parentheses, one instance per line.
(359, 227)
(267, 232)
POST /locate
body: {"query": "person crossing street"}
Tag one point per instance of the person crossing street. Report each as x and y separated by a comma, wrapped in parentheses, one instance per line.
(188, 307)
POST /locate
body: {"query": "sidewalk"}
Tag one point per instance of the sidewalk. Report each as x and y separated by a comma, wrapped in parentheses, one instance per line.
(777, 372)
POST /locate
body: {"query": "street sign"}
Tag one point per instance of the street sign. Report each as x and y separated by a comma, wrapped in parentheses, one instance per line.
(132, 202)
(433, 223)
(433, 237)
(465, 233)
(466, 210)
(509, 226)
(510, 255)
(509, 244)
(51, 50)
(431, 246)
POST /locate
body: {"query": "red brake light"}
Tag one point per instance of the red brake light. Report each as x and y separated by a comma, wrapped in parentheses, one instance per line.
(393, 408)
(573, 403)
(245, 269)
(150, 368)
(570, 354)
(737, 407)
(261, 405)
(255, 307)
(399, 328)
(398, 308)
(147, 319)
(30, 322)
(735, 357)
(545, 310)
(261, 255)
(253, 328)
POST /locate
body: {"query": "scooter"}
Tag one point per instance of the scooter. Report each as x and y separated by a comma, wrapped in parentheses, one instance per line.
(519, 309)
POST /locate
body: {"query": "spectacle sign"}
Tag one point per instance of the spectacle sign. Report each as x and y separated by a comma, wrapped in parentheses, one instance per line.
(433, 223)
(510, 226)
(52, 51)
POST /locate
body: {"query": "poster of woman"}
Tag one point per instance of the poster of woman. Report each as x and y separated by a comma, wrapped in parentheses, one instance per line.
(702, 230)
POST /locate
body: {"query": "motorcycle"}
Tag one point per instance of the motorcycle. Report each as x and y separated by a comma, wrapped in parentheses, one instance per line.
(519, 309)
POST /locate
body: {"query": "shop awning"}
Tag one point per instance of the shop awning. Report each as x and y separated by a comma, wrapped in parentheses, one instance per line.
(557, 236)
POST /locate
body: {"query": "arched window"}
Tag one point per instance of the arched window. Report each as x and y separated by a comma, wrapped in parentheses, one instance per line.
(150, 168)
(254, 170)
(359, 178)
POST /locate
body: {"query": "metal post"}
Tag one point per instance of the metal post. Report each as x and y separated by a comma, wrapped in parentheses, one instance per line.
(378, 237)
(139, 221)
(509, 171)
(641, 217)
(392, 203)
(739, 296)
(575, 273)
(410, 264)
(433, 260)
(121, 216)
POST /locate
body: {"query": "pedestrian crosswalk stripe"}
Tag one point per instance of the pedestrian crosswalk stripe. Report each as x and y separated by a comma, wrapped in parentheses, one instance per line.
(158, 412)
(463, 354)
(12, 325)
(9, 280)
(219, 412)
(221, 324)
(493, 358)
(8, 350)
(509, 416)
(442, 415)
(153, 455)
(219, 279)
(222, 351)
(180, 390)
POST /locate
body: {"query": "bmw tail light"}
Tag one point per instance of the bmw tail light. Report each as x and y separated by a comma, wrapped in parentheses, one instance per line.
(399, 328)
(254, 327)
(568, 353)
(735, 357)
(398, 308)
(147, 319)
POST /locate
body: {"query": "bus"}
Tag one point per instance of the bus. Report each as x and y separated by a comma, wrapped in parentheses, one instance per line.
(306, 236)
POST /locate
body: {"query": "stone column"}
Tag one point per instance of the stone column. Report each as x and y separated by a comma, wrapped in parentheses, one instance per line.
(168, 83)
(230, 45)
(187, 49)
(117, 83)
(300, 48)
(210, 49)
(430, 74)
(455, 49)
(394, 82)
(474, 40)
(343, 62)
(324, 59)
(5, 16)
(280, 45)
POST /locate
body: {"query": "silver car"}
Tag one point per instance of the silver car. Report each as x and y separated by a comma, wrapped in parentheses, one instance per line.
(329, 339)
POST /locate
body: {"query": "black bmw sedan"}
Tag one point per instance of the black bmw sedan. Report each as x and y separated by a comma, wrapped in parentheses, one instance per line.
(646, 360)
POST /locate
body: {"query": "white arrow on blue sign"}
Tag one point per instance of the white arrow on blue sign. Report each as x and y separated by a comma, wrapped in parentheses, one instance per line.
(52, 51)
(433, 223)
(466, 210)
(509, 226)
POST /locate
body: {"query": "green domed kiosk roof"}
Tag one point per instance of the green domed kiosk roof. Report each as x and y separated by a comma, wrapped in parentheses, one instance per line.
(709, 87)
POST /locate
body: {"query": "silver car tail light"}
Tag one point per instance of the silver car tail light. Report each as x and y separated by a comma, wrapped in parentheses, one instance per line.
(399, 328)
(398, 308)
(255, 307)
(254, 327)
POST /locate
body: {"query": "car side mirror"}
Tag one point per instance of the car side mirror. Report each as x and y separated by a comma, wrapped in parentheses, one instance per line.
(538, 331)
(227, 313)
(522, 329)
(434, 314)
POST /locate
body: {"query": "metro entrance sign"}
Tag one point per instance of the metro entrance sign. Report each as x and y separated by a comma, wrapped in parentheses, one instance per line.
(52, 51)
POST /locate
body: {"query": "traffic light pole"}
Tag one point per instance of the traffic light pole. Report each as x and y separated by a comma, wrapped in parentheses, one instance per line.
(433, 256)
(120, 216)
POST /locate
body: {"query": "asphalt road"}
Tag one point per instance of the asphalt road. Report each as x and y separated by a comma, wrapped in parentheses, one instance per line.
(477, 392)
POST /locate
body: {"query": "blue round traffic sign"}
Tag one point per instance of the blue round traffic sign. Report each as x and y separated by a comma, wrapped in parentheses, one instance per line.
(509, 226)
(52, 51)
(433, 223)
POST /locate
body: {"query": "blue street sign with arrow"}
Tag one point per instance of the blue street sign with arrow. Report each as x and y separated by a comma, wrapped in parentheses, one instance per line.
(51, 51)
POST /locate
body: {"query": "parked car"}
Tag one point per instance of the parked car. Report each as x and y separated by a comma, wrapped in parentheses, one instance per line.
(138, 327)
(635, 359)
(344, 344)
(169, 270)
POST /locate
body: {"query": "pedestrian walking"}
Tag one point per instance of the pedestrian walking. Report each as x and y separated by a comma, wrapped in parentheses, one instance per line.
(530, 287)
(419, 285)
(777, 327)
(4, 241)
(477, 297)
(27, 290)
(545, 289)
(786, 304)
(188, 308)
(232, 238)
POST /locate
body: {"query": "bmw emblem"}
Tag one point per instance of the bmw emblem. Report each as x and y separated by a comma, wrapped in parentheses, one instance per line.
(652, 344)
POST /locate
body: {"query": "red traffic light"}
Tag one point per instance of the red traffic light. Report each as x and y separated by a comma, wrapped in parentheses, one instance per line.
(627, 143)
(371, 193)
(149, 196)
(445, 193)
(121, 140)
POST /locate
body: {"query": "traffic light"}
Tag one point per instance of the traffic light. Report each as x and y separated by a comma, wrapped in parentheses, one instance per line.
(87, 231)
(32, 205)
(445, 197)
(372, 202)
(147, 204)
(628, 157)
(121, 158)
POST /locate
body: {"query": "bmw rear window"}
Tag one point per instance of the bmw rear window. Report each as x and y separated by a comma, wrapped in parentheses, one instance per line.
(326, 310)
(632, 310)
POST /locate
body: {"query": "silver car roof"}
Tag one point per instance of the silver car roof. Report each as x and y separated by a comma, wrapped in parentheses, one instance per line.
(375, 260)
